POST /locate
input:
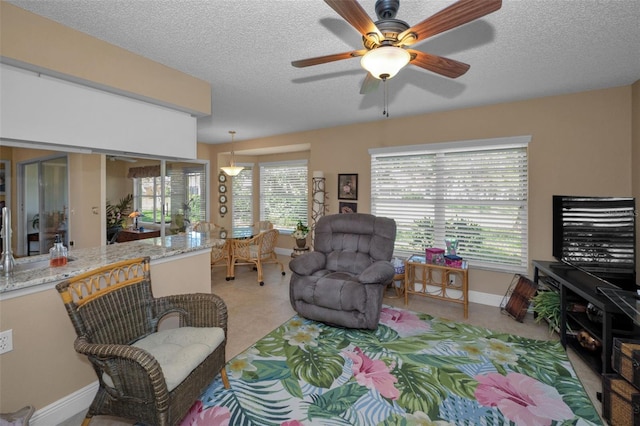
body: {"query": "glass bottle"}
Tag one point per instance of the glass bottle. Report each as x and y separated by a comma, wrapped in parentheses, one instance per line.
(58, 253)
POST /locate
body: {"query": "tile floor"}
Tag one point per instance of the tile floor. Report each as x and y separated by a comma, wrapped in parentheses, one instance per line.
(254, 311)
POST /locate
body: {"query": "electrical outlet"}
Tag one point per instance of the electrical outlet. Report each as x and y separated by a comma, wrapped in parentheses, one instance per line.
(6, 341)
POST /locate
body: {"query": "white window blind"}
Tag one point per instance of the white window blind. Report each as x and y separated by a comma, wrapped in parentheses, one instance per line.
(284, 193)
(242, 204)
(196, 190)
(477, 194)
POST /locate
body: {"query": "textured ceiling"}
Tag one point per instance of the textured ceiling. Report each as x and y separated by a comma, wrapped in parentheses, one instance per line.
(244, 48)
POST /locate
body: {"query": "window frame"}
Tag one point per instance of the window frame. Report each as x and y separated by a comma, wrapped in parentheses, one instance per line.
(303, 207)
(428, 171)
(162, 189)
(235, 197)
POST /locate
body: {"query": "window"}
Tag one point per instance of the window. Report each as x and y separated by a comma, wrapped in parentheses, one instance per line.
(147, 198)
(188, 191)
(475, 191)
(242, 204)
(284, 193)
(185, 195)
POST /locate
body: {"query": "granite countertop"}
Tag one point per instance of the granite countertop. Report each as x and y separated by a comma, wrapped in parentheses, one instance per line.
(34, 271)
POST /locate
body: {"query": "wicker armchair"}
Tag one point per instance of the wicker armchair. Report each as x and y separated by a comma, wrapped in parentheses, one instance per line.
(256, 251)
(116, 319)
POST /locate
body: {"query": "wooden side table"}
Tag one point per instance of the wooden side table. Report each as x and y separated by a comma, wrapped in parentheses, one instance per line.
(297, 251)
(398, 290)
(440, 279)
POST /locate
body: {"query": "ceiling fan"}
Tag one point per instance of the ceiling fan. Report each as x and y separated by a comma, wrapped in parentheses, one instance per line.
(385, 40)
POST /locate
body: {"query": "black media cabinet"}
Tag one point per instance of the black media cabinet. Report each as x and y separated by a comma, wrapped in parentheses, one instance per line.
(578, 287)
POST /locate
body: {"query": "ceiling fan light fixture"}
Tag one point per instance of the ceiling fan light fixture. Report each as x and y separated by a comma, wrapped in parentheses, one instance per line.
(232, 169)
(384, 62)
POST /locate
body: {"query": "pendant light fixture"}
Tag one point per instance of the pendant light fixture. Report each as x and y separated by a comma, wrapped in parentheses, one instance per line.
(232, 169)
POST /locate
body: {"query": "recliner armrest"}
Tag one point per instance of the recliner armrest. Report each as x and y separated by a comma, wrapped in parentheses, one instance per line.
(380, 272)
(308, 263)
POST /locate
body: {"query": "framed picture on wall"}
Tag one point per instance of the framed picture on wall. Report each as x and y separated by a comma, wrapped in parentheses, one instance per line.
(348, 207)
(347, 187)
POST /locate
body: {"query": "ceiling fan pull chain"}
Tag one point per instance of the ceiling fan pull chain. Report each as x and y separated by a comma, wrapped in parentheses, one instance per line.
(385, 111)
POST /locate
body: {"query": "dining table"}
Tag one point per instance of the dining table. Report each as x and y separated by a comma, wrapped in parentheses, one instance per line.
(237, 233)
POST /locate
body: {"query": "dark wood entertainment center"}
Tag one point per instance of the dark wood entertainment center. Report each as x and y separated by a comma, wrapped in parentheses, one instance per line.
(575, 287)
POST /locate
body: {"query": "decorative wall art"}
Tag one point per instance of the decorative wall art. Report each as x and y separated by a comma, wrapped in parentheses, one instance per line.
(347, 186)
(348, 207)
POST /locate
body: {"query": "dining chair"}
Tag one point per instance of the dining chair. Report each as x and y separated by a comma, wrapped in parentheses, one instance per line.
(257, 251)
(220, 256)
(263, 225)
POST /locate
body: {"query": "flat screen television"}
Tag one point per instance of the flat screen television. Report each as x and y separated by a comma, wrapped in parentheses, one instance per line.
(598, 236)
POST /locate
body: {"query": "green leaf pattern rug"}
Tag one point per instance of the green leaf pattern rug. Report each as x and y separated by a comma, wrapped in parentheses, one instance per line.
(414, 369)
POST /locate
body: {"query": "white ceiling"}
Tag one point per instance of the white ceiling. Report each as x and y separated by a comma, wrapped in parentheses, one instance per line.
(244, 48)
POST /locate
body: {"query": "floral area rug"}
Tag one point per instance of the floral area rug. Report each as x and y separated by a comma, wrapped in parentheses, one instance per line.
(414, 369)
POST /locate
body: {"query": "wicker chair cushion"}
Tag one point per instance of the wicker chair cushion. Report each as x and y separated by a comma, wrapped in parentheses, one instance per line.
(179, 350)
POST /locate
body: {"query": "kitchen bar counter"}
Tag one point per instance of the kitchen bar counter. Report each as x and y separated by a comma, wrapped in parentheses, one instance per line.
(33, 274)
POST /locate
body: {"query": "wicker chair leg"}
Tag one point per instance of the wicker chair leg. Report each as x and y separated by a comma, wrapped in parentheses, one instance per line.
(225, 379)
(260, 280)
(86, 421)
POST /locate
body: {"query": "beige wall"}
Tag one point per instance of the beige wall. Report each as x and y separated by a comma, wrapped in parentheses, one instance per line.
(118, 185)
(581, 145)
(85, 226)
(27, 38)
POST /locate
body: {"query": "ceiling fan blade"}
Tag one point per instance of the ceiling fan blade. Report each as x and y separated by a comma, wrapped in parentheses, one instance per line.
(354, 14)
(369, 84)
(459, 13)
(328, 58)
(438, 64)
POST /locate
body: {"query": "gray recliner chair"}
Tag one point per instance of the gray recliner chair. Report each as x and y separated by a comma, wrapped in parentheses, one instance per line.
(342, 282)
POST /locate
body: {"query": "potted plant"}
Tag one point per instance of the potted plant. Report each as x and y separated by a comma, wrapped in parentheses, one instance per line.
(117, 214)
(300, 234)
(546, 306)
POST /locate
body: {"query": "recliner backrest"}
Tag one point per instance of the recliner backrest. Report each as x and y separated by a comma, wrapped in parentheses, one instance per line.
(354, 241)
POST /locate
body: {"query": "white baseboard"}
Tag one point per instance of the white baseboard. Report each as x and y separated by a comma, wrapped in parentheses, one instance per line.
(485, 298)
(65, 408)
(283, 251)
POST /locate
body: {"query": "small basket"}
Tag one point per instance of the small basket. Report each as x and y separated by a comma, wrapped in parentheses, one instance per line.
(453, 261)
